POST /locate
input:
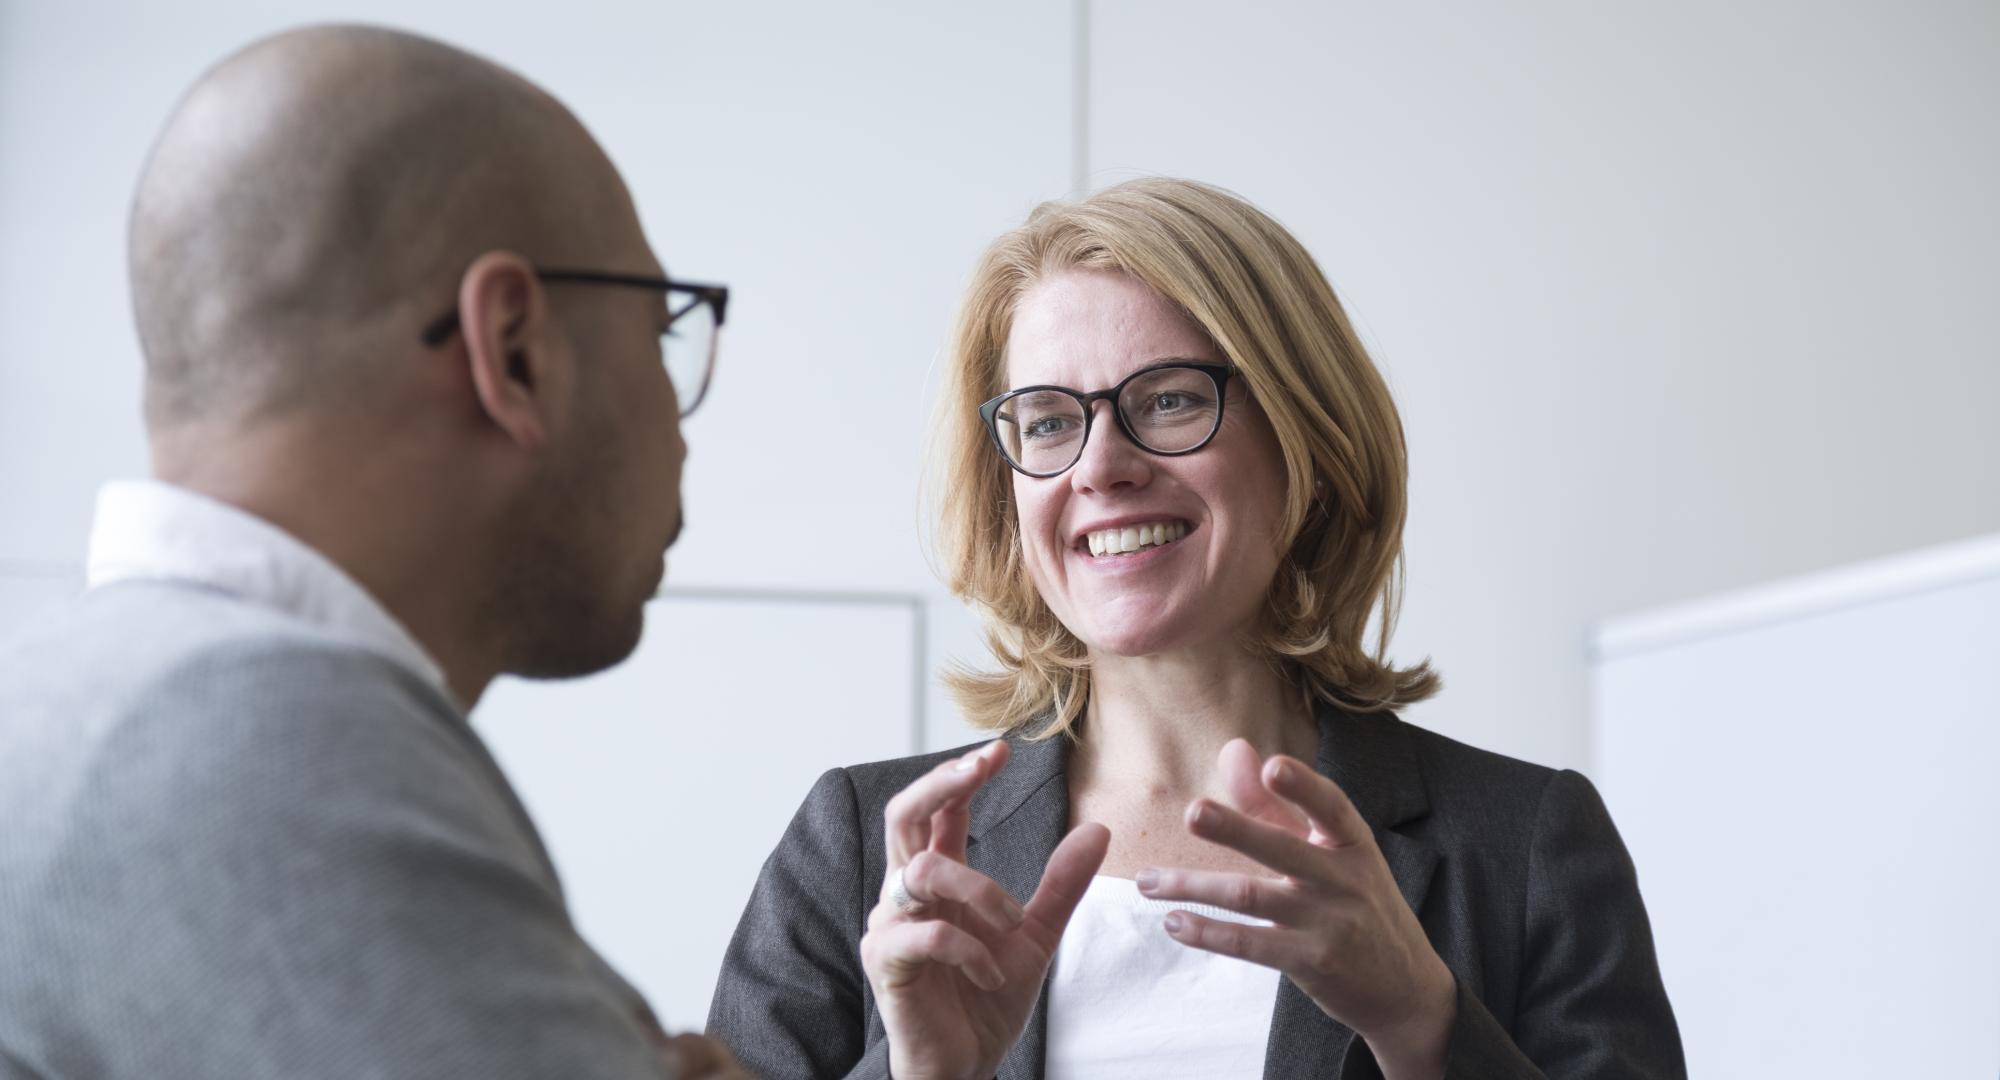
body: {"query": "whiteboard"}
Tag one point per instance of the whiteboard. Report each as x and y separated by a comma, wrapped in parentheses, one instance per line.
(661, 785)
(1808, 776)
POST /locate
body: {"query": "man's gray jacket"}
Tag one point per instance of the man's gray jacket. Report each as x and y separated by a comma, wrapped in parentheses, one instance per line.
(233, 846)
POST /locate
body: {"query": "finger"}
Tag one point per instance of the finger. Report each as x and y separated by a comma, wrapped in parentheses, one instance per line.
(885, 914)
(931, 878)
(1325, 805)
(1241, 766)
(887, 910)
(899, 953)
(1245, 894)
(949, 825)
(907, 819)
(948, 831)
(1289, 951)
(1271, 846)
(1067, 876)
(695, 1056)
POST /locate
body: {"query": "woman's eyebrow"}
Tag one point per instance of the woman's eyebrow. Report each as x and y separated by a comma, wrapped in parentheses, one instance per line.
(1158, 361)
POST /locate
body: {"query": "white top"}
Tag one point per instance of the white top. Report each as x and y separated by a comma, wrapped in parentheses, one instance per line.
(150, 531)
(1126, 1000)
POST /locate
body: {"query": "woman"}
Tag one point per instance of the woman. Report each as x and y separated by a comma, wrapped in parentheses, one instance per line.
(1177, 491)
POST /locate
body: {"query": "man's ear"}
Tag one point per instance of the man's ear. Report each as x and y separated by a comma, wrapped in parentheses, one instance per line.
(509, 346)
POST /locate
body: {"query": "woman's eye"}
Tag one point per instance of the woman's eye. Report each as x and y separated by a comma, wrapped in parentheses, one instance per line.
(1045, 428)
(1172, 401)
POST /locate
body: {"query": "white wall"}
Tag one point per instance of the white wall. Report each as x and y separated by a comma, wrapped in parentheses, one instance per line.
(1674, 298)
(1804, 774)
(661, 785)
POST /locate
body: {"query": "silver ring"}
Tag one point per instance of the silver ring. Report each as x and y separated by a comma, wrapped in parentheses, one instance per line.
(899, 895)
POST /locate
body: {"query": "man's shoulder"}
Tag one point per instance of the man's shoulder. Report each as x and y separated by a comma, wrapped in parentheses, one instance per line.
(158, 702)
(264, 807)
(128, 644)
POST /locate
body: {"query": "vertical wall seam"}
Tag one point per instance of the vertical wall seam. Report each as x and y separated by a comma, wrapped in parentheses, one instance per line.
(1079, 99)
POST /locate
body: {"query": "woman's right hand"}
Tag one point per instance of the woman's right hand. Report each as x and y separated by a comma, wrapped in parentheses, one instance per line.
(957, 970)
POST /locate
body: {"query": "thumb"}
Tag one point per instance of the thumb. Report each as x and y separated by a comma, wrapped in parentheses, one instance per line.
(695, 1057)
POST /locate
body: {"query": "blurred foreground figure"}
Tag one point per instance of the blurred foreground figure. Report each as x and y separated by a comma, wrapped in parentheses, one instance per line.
(412, 427)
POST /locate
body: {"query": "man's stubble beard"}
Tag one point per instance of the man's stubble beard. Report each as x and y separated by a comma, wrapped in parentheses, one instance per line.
(569, 609)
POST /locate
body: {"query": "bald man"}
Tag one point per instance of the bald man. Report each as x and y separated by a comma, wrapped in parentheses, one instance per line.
(410, 430)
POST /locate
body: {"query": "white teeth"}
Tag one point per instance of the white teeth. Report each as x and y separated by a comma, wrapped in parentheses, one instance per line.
(1133, 537)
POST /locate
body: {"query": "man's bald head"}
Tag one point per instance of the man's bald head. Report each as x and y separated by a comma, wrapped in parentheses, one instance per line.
(313, 200)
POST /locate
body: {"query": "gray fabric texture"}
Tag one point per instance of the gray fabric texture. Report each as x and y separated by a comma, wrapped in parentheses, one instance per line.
(235, 848)
(1515, 871)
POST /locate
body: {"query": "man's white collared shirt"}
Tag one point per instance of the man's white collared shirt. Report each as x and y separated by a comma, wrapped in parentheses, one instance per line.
(146, 530)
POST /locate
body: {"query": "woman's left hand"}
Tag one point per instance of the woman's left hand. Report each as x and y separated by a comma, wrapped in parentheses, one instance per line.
(1340, 927)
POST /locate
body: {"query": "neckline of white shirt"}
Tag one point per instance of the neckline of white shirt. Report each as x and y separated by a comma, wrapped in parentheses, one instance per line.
(1127, 1000)
(149, 530)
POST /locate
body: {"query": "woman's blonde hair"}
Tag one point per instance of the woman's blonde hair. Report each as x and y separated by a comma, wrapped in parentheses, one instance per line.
(1241, 277)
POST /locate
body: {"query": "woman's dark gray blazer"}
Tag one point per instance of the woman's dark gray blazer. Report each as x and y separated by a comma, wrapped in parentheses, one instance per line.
(1515, 871)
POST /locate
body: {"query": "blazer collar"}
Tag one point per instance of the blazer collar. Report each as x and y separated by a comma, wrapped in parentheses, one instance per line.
(1033, 767)
(1015, 824)
(1371, 757)
(1374, 760)
(1023, 813)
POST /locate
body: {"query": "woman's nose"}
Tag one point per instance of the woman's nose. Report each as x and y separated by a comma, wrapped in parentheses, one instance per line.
(1109, 460)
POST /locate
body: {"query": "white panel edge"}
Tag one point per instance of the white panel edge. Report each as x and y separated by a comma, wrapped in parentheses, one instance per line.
(1799, 597)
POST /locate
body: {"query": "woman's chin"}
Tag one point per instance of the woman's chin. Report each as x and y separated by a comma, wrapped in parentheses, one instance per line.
(1140, 639)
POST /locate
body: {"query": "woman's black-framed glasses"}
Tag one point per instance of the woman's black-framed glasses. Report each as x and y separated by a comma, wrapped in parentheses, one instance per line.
(687, 346)
(1167, 409)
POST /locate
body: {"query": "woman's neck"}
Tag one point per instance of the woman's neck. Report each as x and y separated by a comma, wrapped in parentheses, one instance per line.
(1155, 724)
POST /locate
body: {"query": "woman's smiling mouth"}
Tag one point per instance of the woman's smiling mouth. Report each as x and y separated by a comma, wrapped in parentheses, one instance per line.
(1119, 540)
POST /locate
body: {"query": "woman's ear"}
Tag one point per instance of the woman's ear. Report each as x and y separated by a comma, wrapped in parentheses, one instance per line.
(504, 316)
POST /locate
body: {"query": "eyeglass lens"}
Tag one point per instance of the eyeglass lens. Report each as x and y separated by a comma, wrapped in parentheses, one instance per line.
(1169, 410)
(688, 348)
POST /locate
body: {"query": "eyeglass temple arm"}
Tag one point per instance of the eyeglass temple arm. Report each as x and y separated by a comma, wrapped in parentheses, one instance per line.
(716, 296)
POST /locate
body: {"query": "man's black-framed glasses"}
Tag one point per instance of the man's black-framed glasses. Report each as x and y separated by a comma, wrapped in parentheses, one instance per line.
(1168, 409)
(687, 346)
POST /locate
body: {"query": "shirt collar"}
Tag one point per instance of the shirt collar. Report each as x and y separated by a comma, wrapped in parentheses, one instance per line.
(146, 530)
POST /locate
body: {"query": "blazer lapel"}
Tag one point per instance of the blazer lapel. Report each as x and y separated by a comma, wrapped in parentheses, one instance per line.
(1373, 761)
(1015, 825)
